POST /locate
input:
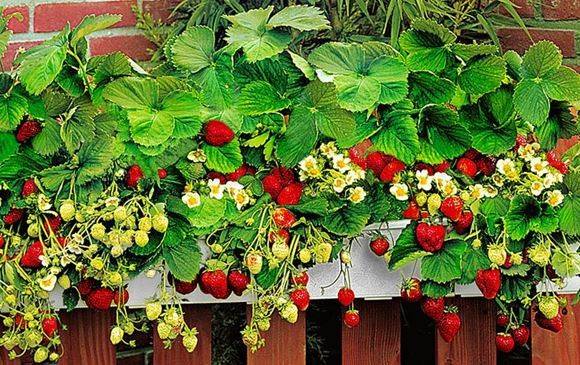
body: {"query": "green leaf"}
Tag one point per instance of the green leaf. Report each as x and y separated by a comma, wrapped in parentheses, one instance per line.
(303, 65)
(398, 137)
(531, 102)
(442, 137)
(568, 215)
(473, 259)
(514, 288)
(70, 298)
(91, 24)
(193, 49)
(183, 260)
(224, 159)
(267, 277)
(48, 141)
(216, 83)
(468, 51)
(541, 59)
(299, 139)
(482, 75)
(566, 264)
(133, 93)
(560, 124)
(317, 206)
(208, 213)
(96, 157)
(150, 128)
(185, 109)
(406, 248)
(259, 97)
(348, 221)
(12, 109)
(41, 64)
(435, 290)
(338, 58)
(444, 265)
(8, 146)
(426, 44)
(527, 214)
(300, 17)
(427, 88)
(112, 65)
(562, 84)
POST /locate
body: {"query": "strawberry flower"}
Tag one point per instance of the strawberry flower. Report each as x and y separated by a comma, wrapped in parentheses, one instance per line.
(554, 198)
(216, 189)
(400, 191)
(192, 200)
(47, 283)
(424, 180)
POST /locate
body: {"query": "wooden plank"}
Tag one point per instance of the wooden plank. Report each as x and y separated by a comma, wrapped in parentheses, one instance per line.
(377, 340)
(475, 342)
(4, 358)
(285, 343)
(558, 348)
(86, 340)
(198, 316)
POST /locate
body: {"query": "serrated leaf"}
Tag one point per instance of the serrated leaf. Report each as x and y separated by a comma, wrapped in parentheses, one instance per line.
(317, 206)
(133, 93)
(300, 17)
(398, 137)
(444, 265)
(41, 64)
(562, 84)
(482, 75)
(566, 264)
(299, 139)
(427, 88)
(259, 97)
(112, 65)
(12, 110)
(568, 215)
(468, 51)
(183, 260)
(208, 213)
(472, 260)
(193, 49)
(303, 65)
(348, 221)
(406, 248)
(95, 158)
(91, 24)
(432, 289)
(48, 141)
(541, 59)
(560, 124)
(425, 44)
(531, 102)
(70, 298)
(224, 159)
(8, 145)
(514, 288)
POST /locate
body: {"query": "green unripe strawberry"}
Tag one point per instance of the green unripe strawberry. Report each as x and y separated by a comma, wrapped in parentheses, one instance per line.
(304, 255)
(163, 330)
(263, 324)
(290, 312)
(141, 238)
(145, 224)
(67, 210)
(120, 214)
(117, 334)
(98, 232)
(160, 223)
(153, 310)
(280, 250)
(540, 254)
(129, 328)
(115, 279)
(421, 198)
(64, 281)
(497, 254)
(322, 252)
(549, 306)
(433, 203)
(32, 230)
(40, 355)
(189, 342)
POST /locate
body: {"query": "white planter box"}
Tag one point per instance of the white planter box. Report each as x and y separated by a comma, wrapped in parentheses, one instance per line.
(370, 278)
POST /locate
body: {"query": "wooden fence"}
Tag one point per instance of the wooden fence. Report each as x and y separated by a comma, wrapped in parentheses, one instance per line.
(376, 341)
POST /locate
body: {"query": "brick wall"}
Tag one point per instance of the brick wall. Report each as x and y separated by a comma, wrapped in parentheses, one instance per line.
(554, 20)
(43, 18)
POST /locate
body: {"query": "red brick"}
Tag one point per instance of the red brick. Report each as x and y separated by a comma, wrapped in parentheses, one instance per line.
(160, 9)
(53, 17)
(561, 9)
(517, 40)
(12, 50)
(15, 25)
(523, 7)
(135, 46)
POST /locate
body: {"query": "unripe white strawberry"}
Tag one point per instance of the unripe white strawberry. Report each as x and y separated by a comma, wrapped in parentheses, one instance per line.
(290, 312)
(263, 324)
(345, 257)
(433, 203)
(117, 335)
(141, 238)
(189, 342)
(305, 255)
(160, 223)
(115, 279)
(280, 250)
(120, 214)
(153, 310)
(163, 330)
(32, 230)
(67, 210)
(421, 198)
(145, 224)
(64, 281)
(40, 355)
(549, 306)
(540, 254)
(322, 252)
(254, 263)
(173, 317)
(117, 251)
(129, 328)
(98, 232)
(496, 253)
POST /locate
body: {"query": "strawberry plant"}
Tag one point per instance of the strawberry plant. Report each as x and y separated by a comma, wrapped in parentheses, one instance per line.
(277, 157)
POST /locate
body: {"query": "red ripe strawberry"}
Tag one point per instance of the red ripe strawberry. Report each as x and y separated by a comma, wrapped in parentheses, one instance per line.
(357, 153)
(217, 133)
(205, 281)
(430, 237)
(521, 140)
(121, 298)
(85, 286)
(301, 279)
(290, 195)
(100, 299)
(273, 185)
(283, 218)
(2, 242)
(411, 290)
(134, 174)
(346, 296)
(489, 282)
(464, 222)
(504, 342)
(449, 326)
(285, 174)
(238, 281)
(29, 187)
(31, 257)
(376, 162)
(216, 175)
(379, 245)
(301, 298)
(14, 216)
(184, 287)
(486, 165)
(391, 169)
(471, 154)
(49, 326)
(433, 308)
(19, 321)
(351, 318)
(162, 173)
(556, 163)
(466, 167)
(521, 334)
(280, 236)
(236, 175)
(452, 207)
(218, 284)
(412, 212)
(561, 166)
(502, 320)
(555, 324)
(423, 166)
(53, 223)
(28, 130)
(442, 167)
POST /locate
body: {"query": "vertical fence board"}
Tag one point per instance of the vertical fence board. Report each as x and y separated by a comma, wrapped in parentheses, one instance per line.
(86, 340)
(475, 342)
(285, 343)
(5, 361)
(558, 348)
(377, 340)
(198, 316)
